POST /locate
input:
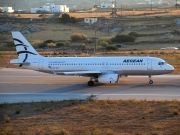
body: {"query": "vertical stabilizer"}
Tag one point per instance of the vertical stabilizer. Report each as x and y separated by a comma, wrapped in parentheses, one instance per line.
(23, 47)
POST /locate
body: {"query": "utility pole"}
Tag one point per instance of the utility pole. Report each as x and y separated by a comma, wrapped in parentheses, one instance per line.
(121, 10)
(108, 24)
(95, 40)
(176, 5)
(151, 5)
(14, 7)
(114, 14)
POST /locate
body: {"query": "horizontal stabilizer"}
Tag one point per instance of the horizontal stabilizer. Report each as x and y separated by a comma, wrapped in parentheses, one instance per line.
(19, 62)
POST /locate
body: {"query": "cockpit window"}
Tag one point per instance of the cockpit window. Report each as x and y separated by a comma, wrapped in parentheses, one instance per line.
(161, 63)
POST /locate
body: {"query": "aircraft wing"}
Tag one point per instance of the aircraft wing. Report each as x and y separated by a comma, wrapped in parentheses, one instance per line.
(88, 73)
(77, 73)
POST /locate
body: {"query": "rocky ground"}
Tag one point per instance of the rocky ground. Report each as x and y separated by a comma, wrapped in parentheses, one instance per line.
(156, 30)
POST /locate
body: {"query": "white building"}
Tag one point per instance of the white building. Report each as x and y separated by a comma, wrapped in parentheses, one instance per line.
(90, 20)
(170, 48)
(106, 5)
(7, 9)
(50, 7)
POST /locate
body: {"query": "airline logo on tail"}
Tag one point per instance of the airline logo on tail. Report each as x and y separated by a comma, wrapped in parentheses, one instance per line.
(25, 51)
(25, 47)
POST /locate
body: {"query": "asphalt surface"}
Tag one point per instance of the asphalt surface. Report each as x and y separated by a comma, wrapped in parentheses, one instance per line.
(22, 85)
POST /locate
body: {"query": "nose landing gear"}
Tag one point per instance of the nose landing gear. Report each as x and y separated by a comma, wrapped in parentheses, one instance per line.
(150, 80)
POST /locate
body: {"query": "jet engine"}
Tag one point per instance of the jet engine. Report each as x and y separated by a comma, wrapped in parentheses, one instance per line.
(108, 78)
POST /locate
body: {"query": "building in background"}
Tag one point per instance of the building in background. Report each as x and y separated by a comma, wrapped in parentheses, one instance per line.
(7, 9)
(107, 5)
(90, 20)
(52, 8)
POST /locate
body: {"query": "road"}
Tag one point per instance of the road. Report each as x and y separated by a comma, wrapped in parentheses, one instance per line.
(22, 85)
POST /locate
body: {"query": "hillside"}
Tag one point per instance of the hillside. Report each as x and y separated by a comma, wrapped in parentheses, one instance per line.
(85, 4)
(158, 29)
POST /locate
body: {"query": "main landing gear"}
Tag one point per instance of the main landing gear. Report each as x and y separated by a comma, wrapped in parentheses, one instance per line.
(91, 82)
(150, 80)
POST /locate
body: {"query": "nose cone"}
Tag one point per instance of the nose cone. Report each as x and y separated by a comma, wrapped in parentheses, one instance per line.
(170, 68)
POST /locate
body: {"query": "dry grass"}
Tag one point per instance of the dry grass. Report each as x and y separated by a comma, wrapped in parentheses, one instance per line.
(100, 117)
(36, 42)
(162, 12)
(57, 32)
(63, 32)
(29, 15)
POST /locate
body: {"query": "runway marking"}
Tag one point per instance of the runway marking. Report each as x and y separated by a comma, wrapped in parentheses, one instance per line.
(31, 76)
(51, 75)
(39, 83)
(89, 94)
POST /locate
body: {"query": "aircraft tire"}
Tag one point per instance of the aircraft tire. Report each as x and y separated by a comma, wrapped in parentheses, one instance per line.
(150, 81)
(90, 83)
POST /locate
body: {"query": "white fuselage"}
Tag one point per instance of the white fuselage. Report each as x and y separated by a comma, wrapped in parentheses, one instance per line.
(99, 69)
(118, 65)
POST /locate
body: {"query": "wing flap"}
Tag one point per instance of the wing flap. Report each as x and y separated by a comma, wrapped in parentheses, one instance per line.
(77, 73)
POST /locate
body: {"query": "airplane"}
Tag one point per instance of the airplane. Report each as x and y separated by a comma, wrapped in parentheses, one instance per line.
(99, 69)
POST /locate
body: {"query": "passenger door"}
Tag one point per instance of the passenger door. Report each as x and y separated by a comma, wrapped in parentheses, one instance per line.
(40, 64)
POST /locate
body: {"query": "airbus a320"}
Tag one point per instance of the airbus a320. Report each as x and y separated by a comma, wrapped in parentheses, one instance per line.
(99, 69)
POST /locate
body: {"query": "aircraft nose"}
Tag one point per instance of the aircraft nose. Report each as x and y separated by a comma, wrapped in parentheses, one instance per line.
(171, 68)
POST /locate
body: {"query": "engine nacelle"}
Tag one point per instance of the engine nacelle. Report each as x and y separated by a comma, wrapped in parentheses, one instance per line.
(108, 78)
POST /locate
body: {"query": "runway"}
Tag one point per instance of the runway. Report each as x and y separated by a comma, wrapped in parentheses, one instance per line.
(22, 85)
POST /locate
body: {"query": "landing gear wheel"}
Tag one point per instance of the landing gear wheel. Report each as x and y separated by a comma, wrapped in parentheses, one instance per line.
(90, 83)
(150, 82)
